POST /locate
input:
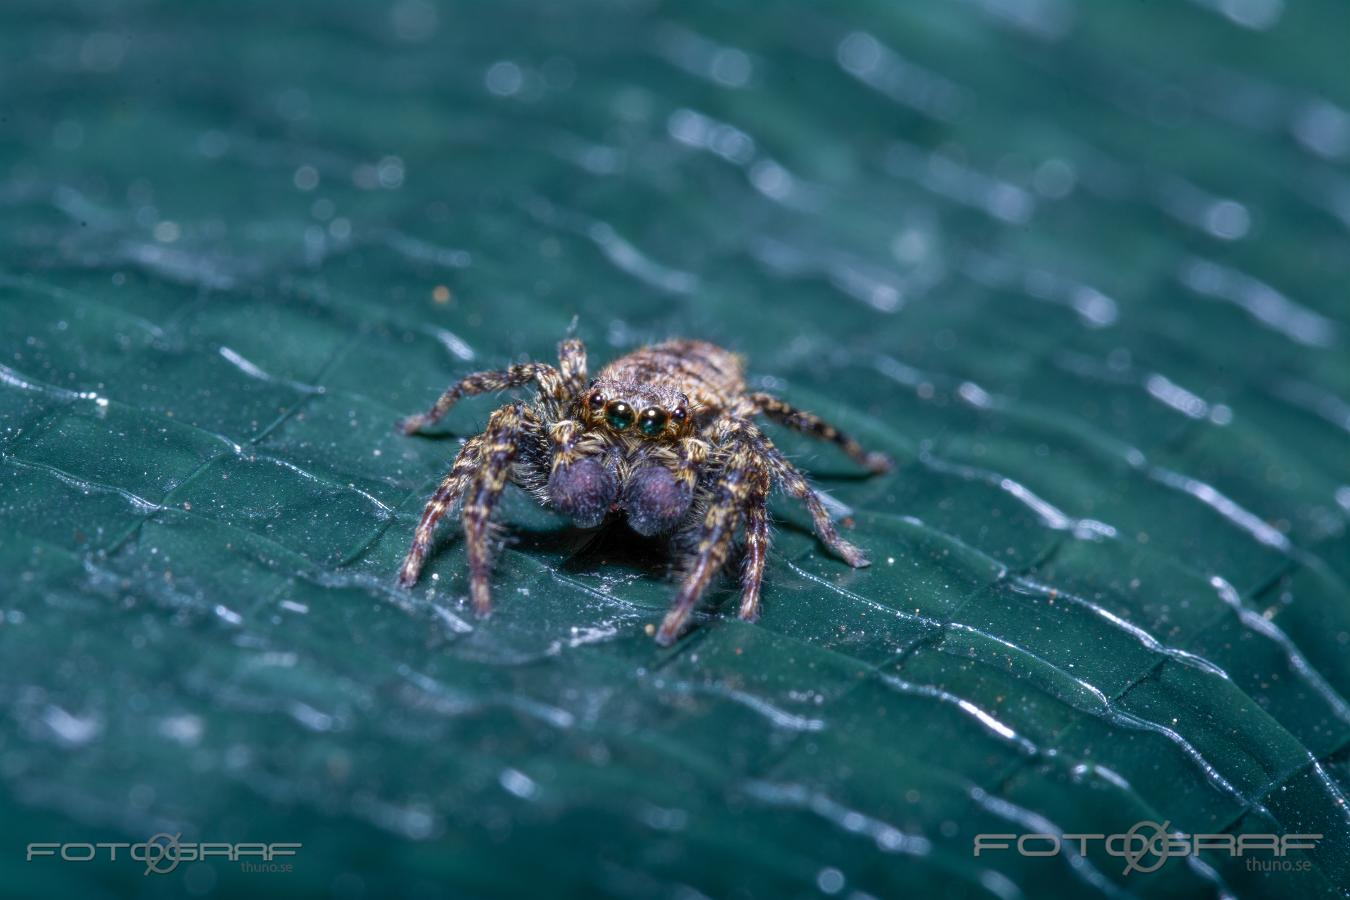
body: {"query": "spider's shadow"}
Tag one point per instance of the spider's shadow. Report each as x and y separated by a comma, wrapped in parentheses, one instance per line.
(613, 544)
(828, 476)
(845, 477)
(442, 436)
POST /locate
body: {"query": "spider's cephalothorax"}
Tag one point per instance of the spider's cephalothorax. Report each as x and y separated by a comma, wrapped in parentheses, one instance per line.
(665, 435)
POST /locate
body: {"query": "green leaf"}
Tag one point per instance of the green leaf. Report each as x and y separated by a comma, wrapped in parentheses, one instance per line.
(1076, 274)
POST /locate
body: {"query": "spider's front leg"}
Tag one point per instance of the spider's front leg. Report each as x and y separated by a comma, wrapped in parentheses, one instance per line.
(550, 382)
(501, 443)
(572, 361)
(447, 495)
(479, 474)
(557, 387)
(741, 478)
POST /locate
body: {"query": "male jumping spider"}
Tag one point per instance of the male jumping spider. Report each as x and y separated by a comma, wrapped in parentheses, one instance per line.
(665, 434)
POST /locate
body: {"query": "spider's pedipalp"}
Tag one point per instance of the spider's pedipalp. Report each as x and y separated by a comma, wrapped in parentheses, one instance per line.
(660, 491)
(581, 485)
(655, 499)
(809, 423)
(583, 490)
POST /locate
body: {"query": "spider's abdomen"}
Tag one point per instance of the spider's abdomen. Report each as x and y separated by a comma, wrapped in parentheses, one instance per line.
(710, 375)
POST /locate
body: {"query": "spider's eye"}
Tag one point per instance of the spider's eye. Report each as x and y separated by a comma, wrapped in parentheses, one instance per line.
(679, 414)
(596, 401)
(652, 421)
(619, 415)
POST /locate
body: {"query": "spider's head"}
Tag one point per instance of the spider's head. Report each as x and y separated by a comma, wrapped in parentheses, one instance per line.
(638, 410)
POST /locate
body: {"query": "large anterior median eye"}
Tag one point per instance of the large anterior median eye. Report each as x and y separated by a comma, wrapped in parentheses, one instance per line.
(652, 421)
(619, 415)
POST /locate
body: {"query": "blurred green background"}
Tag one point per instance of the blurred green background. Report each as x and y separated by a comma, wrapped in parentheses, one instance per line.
(1081, 267)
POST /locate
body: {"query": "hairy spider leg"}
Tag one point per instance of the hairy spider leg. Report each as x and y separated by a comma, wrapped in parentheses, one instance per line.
(550, 381)
(572, 361)
(740, 474)
(449, 491)
(565, 440)
(689, 458)
(811, 424)
(501, 441)
(756, 549)
(795, 483)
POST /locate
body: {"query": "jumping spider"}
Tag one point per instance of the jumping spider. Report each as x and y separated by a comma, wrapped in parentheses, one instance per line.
(664, 434)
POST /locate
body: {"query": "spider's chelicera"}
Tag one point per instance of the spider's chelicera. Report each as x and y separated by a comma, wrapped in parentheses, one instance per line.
(666, 435)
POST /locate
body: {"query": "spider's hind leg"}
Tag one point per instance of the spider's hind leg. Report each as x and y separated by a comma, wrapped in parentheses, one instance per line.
(794, 482)
(810, 423)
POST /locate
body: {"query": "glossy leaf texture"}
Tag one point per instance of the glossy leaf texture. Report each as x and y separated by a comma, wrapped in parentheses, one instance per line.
(1080, 267)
